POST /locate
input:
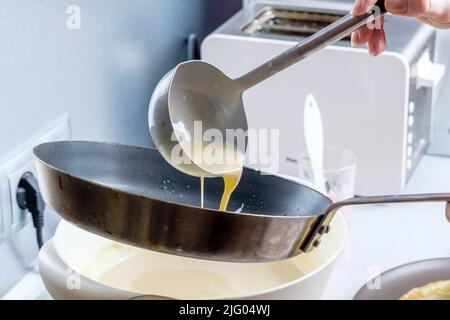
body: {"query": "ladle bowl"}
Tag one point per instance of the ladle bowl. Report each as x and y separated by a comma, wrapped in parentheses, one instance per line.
(190, 100)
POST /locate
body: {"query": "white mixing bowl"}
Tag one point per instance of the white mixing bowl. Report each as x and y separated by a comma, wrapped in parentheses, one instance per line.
(77, 264)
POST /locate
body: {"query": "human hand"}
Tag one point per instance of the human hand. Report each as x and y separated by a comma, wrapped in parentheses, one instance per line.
(435, 13)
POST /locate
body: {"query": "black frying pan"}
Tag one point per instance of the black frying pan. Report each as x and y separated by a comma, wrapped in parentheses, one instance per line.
(132, 195)
(396, 282)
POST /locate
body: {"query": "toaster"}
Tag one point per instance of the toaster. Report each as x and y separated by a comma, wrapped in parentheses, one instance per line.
(379, 108)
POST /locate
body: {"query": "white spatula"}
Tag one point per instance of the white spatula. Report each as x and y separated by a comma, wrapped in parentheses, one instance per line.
(314, 140)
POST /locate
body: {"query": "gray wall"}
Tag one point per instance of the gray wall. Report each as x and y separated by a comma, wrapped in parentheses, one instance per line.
(101, 75)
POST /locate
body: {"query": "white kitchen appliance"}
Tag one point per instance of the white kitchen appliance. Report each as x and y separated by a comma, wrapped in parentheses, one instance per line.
(379, 108)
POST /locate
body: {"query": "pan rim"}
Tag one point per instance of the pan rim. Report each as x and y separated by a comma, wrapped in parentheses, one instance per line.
(201, 210)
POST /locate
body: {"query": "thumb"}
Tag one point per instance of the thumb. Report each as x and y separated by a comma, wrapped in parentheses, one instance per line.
(437, 9)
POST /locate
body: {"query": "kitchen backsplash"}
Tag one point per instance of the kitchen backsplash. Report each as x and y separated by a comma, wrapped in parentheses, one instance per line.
(96, 61)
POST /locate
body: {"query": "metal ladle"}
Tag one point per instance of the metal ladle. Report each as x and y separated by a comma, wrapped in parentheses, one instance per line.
(198, 91)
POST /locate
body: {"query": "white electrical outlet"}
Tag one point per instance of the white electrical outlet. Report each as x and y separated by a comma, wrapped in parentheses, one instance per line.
(12, 171)
(60, 130)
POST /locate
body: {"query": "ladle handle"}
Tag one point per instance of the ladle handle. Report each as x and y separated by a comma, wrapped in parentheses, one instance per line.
(321, 225)
(328, 35)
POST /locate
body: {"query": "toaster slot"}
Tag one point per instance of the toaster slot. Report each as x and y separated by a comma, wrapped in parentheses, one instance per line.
(290, 22)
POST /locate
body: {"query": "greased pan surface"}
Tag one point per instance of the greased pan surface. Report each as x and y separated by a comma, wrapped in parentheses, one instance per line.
(131, 194)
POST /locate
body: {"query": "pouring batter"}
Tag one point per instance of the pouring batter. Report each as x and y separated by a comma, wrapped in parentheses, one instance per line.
(220, 160)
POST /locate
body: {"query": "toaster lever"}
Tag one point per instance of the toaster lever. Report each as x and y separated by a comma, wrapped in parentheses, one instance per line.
(427, 73)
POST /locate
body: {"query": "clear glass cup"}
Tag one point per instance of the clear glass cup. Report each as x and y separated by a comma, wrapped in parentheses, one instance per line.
(339, 172)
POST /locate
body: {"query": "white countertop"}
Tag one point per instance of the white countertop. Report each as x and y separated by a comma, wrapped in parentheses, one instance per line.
(30, 287)
(382, 237)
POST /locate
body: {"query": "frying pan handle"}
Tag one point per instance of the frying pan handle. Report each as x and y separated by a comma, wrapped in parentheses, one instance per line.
(321, 225)
(432, 197)
(326, 36)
